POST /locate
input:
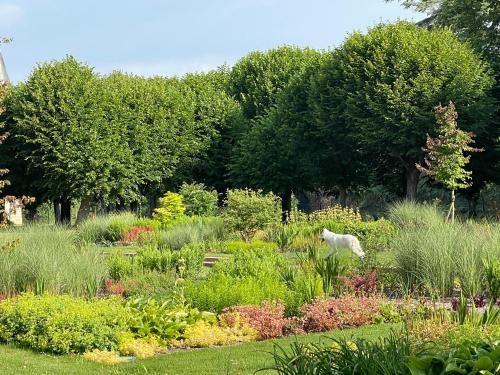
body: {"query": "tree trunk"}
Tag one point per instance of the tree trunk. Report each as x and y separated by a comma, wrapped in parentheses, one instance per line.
(343, 197)
(57, 211)
(451, 211)
(84, 210)
(66, 211)
(286, 206)
(412, 175)
(472, 203)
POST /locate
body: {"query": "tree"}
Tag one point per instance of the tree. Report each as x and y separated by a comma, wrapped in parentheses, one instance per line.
(257, 78)
(445, 160)
(390, 79)
(477, 22)
(220, 115)
(3, 171)
(271, 154)
(58, 126)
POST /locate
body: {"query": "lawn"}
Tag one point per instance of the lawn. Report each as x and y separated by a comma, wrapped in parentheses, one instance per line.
(236, 359)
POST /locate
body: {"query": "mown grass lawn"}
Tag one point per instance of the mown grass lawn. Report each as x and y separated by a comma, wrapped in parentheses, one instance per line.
(233, 360)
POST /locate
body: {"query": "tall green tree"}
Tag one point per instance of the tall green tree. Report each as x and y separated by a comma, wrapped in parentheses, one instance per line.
(277, 153)
(56, 120)
(478, 23)
(219, 118)
(444, 159)
(389, 81)
(257, 79)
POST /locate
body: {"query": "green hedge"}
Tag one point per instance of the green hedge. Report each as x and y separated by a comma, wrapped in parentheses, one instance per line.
(62, 324)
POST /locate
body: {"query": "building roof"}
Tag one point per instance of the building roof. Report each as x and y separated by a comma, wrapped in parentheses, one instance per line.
(4, 77)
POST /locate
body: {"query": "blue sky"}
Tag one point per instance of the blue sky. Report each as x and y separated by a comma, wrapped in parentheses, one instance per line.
(169, 37)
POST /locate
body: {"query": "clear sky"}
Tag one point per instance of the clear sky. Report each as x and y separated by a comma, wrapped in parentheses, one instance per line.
(168, 37)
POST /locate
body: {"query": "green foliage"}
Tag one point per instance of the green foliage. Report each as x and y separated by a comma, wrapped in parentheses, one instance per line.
(445, 160)
(62, 324)
(171, 208)
(466, 359)
(253, 262)
(105, 229)
(58, 126)
(198, 200)
(257, 78)
(380, 88)
(247, 211)
(222, 291)
(39, 259)
(190, 230)
(432, 255)
(150, 317)
(341, 356)
(231, 247)
(492, 276)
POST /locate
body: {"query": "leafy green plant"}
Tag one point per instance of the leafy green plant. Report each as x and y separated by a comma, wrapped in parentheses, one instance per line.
(445, 160)
(466, 359)
(343, 357)
(199, 201)
(62, 324)
(231, 247)
(492, 276)
(150, 317)
(105, 229)
(171, 208)
(247, 211)
(285, 234)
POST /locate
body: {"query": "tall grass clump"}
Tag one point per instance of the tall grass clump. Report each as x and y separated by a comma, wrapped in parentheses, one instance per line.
(106, 228)
(43, 259)
(435, 256)
(190, 231)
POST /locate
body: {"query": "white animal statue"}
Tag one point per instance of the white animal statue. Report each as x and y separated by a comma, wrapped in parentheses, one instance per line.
(336, 241)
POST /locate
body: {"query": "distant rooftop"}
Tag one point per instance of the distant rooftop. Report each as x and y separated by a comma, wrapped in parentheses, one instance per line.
(4, 77)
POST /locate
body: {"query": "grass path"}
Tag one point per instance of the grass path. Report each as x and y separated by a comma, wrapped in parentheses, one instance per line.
(232, 360)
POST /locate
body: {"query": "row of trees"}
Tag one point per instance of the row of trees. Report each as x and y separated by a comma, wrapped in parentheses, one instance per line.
(286, 120)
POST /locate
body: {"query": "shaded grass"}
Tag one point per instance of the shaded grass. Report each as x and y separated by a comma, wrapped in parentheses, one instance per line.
(237, 359)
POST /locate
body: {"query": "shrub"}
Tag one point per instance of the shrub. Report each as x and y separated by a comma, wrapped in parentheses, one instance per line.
(140, 348)
(149, 284)
(134, 233)
(251, 263)
(171, 208)
(267, 318)
(362, 284)
(221, 291)
(328, 314)
(153, 318)
(248, 211)
(42, 260)
(231, 247)
(199, 201)
(62, 324)
(204, 334)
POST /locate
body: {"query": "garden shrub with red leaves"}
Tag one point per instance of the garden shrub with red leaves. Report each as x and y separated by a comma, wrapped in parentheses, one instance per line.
(328, 314)
(134, 233)
(267, 319)
(362, 284)
(115, 288)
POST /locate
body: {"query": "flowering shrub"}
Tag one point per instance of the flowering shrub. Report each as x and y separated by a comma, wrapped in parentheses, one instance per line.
(362, 284)
(327, 314)
(267, 319)
(134, 233)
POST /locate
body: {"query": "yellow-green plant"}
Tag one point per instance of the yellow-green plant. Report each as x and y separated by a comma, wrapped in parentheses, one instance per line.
(171, 208)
